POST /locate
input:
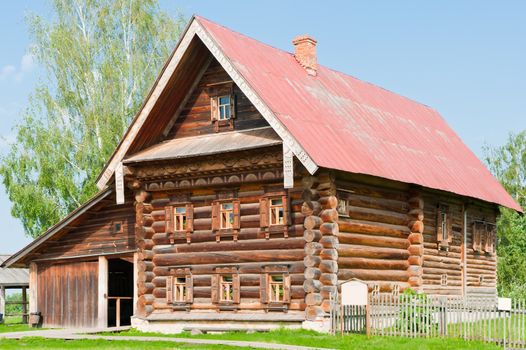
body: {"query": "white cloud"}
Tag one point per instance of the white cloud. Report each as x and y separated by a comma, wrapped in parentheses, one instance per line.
(9, 71)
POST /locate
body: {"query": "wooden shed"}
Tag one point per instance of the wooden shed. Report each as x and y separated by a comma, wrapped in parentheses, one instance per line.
(250, 183)
(13, 279)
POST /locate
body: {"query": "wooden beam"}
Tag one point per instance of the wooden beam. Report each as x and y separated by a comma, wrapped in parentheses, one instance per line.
(2, 302)
(135, 281)
(24, 305)
(103, 292)
(33, 287)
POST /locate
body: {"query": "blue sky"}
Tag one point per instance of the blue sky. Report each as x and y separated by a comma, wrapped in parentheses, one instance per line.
(466, 59)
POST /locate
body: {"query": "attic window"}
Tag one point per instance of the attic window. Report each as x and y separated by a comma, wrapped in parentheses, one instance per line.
(117, 227)
(224, 108)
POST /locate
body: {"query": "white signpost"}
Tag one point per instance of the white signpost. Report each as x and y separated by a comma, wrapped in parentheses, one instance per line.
(354, 293)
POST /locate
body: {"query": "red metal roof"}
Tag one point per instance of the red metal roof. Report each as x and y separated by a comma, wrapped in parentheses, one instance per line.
(346, 124)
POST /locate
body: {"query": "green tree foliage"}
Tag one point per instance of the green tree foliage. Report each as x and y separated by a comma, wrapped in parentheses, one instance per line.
(100, 57)
(508, 163)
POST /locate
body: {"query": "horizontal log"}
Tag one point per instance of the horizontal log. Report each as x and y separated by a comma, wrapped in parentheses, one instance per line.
(330, 242)
(379, 229)
(312, 235)
(329, 254)
(329, 228)
(228, 257)
(294, 267)
(311, 286)
(311, 261)
(378, 215)
(310, 208)
(329, 279)
(312, 313)
(312, 273)
(348, 250)
(329, 215)
(312, 222)
(372, 264)
(328, 202)
(329, 266)
(373, 275)
(313, 299)
(313, 248)
(240, 245)
(373, 241)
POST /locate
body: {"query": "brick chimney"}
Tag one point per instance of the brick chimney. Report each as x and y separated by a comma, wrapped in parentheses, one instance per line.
(305, 53)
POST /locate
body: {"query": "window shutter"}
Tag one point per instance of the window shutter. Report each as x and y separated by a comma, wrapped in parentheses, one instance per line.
(237, 214)
(286, 288)
(236, 285)
(286, 210)
(214, 108)
(214, 289)
(215, 216)
(169, 218)
(439, 224)
(263, 288)
(169, 289)
(232, 103)
(449, 225)
(189, 289)
(489, 246)
(189, 218)
(477, 228)
(263, 212)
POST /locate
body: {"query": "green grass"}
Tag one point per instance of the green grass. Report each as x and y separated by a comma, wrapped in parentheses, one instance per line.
(14, 324)
(41, 343)
(314, 339)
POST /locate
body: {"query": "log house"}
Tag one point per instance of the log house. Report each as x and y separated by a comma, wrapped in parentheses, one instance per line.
(250, 184)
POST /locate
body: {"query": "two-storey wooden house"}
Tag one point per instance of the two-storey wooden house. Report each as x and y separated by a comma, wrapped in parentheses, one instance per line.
(253, 181)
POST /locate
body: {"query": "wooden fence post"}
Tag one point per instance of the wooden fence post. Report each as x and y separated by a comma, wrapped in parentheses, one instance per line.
(2, 303)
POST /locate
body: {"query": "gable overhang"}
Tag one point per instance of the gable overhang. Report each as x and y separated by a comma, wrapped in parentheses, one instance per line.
(16, 259)
(193, 30)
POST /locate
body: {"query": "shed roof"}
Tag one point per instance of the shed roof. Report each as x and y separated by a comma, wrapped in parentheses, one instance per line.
(12, 277)
(208, 144)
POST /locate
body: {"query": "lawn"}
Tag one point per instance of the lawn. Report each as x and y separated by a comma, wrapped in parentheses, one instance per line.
(41, 343)
(13, 324)
(314, 339)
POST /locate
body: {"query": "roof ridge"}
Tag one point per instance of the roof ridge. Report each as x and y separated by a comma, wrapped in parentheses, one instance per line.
(198, 17)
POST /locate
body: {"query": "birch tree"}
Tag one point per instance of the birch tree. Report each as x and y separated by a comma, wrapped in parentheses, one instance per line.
(99, 58)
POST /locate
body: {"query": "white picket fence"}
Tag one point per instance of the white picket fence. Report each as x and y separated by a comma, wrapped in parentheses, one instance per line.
(470, 318)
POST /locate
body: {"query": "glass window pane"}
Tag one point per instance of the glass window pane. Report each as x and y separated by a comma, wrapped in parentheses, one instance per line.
(277, 202)
(227, 206)
(180, 210)
(224, 100)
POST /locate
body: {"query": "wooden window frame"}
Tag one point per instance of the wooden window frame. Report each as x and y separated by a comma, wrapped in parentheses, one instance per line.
(266, 285)
(216, 288)
(343, 197)
(216, 92)
(490, 238)
(265, 214)
(444, 239)
(171, 283)
(217, 218)
(114, 230)
(170, 220)
(478, 231)
(443, 280)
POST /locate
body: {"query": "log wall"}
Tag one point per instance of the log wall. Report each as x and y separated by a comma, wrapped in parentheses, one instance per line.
(373, 238)
(195, 118)
(250, 253)
(93, 235)
(439, 262)
(480, 264)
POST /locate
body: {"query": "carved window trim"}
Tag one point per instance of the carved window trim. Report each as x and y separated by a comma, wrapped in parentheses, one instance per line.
(217, 285)
(171, 220)
(266, 287)
(478, 231)
(172, 283)
(217, 218)
(265, 213)
(117, 227)
(216, 92)
(443, 280)
(444, 226)
(490, 238)
(343, 207)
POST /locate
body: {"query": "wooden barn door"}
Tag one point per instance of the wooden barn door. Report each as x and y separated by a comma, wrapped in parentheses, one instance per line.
(67, 294)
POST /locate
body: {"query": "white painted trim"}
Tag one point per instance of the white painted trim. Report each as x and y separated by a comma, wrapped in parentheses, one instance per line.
(2, 301)
(195, 28)
(102, 296)
(33, 287)
(288, 167)
(254, 98)
(135, 281)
